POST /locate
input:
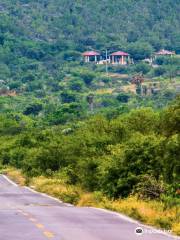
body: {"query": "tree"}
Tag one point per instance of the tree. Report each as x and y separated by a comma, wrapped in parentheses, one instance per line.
(123, 97)
(143, 68)
(76, 85)
(33, 109)
(170, 118)
(159, 71)
(140, 50)
(121, 170)
(68, 97)
(87, 77)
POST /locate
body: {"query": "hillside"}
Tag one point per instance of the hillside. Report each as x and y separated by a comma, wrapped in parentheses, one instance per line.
(48, 31)
(77, 24)
(41, 44)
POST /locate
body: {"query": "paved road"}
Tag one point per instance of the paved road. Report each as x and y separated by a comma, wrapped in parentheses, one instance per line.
(27, 215)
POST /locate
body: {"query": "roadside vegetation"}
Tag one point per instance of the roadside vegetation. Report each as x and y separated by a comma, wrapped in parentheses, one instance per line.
(161, 213)
(129, 164)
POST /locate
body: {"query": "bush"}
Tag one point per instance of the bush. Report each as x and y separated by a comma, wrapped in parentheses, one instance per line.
(123, 97)
(176, 228)
(140, 50)
(159, 71)
(142, 68)
(149, 188)
(33, 109)
(68, 97)
(87, 77)
(76, 85)
(164, 223)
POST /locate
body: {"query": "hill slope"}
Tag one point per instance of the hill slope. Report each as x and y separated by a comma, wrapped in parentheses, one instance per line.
(41, 44)
(92, 23)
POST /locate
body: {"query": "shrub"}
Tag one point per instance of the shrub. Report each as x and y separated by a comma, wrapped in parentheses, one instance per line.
(159, 71)
(33, 109)
(164, 223)
(149, 187)
(142, 68)
(176, 228)
(123, 97)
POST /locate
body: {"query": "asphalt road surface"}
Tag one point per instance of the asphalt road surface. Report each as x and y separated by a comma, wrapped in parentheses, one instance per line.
(27, 215)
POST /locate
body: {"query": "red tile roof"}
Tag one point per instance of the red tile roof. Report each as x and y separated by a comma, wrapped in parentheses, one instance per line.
(91, 53)
(165, 52)
(119, 53)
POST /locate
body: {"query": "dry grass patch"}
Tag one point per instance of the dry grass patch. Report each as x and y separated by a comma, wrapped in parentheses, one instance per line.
(149, 212)
(95, 199)
(105, 91)
(176, 228)
(16, 175)
(57, 188)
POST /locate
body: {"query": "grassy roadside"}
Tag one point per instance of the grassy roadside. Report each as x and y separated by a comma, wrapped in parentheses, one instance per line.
(15, 175)
(153, 213)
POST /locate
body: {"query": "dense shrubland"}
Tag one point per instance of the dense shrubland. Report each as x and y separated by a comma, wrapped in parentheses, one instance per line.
(40, 55)
(41, 41)
(112, 156)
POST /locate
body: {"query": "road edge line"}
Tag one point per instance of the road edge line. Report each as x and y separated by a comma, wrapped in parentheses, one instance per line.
(131, 220)
(9, 180)
(48, 196)
(121, 216)
(34, 191)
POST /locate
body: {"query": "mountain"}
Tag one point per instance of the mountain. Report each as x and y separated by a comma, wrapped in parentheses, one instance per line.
(78, 25)
(41, 42)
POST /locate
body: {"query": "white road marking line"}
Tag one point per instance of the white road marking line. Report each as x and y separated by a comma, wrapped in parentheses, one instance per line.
(42, 194)
(123, 217)
(32, 219)
(128, 219)
(45, 195)
(10, 181)
(25, 214)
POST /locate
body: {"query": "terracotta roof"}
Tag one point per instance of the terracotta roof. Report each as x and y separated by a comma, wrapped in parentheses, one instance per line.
(165, 52)
(91, 53)
(119, 53)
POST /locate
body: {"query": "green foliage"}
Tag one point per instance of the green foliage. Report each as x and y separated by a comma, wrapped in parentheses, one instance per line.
(47, 127)
(33, 109)
(67, 113)
(142, 68)
(76, 85)
(87, 76)
(137, 150)
(41, 62)
(140, 50)
(58, 31)
(171, 118)
(68, 97)
(123, 97)
(163, 223)
(149, 188)
(159, 71)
